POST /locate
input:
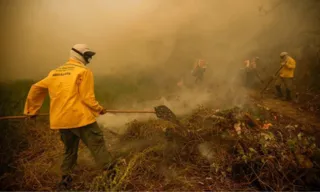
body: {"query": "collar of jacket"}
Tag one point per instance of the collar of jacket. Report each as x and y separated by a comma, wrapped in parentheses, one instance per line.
(75, 62)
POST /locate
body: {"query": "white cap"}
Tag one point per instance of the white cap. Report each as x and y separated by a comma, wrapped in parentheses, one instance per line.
(283, 54)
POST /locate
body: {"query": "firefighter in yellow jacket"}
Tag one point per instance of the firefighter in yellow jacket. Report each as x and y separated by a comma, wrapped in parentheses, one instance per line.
(286, 75)
(73, 109)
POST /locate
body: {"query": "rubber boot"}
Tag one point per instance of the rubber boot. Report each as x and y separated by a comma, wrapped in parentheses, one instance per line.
(279, 92)
(65, 183)
(288, 95)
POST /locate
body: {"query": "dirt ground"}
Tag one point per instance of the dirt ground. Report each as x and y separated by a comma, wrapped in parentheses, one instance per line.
(291, 109)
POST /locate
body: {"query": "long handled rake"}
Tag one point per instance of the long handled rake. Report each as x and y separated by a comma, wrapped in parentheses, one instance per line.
(162, 112)
(268, 84)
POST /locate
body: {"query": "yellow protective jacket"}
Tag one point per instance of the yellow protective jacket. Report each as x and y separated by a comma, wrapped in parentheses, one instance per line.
(72, 99)
(287, 70)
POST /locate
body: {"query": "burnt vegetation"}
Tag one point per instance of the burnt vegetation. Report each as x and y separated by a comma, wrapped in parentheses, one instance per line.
(219, 145)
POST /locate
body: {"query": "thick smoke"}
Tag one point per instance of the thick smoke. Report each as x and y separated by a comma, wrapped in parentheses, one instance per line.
(127, 35)
(161, 37)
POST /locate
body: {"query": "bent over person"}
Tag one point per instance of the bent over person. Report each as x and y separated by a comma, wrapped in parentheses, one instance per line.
(73, 110)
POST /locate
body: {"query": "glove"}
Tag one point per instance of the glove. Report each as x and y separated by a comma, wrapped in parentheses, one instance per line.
(103, 111)
(31, 116)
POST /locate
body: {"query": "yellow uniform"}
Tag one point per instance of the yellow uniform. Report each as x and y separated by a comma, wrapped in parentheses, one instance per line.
(288, 68)
(72, 98)
(73, 109)
(285, 78)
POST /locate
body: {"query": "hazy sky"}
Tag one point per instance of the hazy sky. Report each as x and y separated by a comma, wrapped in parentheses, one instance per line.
(139, 34)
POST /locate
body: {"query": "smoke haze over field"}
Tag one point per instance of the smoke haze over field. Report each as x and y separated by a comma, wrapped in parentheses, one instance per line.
(127, 34)
(160, 37)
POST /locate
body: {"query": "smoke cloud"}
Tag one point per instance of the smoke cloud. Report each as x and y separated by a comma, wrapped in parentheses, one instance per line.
(160, 37)
(128, 35)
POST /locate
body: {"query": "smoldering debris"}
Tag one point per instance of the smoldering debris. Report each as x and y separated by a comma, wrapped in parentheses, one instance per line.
(217, 157)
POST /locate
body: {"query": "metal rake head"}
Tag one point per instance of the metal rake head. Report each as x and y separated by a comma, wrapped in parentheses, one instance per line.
(163, 112)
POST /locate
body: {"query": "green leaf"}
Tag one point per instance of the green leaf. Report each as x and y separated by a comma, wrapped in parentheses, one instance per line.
(268, 136)
(245, 158)
(252, 150)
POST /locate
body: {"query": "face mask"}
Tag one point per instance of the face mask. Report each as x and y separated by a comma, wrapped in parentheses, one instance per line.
(87, 56)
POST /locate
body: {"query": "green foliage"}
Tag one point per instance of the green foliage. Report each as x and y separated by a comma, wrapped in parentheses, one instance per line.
(13, 96)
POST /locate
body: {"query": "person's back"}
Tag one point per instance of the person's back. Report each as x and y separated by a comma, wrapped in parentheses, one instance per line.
(71, 91)
(65, 90)
(289, 65)
(73, 109)
(199, 69)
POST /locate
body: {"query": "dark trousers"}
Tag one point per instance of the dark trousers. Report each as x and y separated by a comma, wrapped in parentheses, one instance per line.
(92, 137)
(250, 78)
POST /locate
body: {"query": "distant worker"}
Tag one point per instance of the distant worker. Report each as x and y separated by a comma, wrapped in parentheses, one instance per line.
(73, 110)
(250, 70)
(246, 64)
(254, 62)
(198, 70)
(286, 75)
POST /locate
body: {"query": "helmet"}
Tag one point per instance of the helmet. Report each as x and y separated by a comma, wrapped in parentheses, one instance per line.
(83, 51)
(283, 54)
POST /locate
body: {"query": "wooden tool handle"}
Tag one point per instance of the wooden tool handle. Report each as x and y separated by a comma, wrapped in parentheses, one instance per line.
(129, 111)
(276, 74)
(108, 111)
(22, 116)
